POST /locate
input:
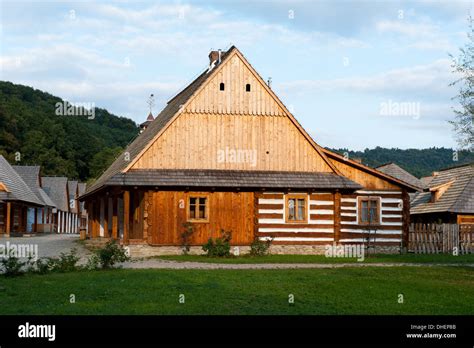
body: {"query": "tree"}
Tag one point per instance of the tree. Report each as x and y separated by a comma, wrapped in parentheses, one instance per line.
(102, 160)
(464, 67)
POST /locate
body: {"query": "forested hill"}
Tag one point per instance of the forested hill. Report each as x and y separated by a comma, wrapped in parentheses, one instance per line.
(82, 148)
(419, 162)
(74, 146)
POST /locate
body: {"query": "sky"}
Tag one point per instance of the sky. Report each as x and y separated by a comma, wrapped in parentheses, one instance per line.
(356, 74)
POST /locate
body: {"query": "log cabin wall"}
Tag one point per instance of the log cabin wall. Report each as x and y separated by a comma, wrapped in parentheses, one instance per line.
(317, 227)
(388, 230)
(166, 212)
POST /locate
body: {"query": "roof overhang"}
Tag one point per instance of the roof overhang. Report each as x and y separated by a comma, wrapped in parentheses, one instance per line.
(375, 172)
(230, 179)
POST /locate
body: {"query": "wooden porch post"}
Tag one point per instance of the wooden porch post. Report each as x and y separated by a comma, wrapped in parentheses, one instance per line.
(337, 216)
(405, 219)
(35, 226)
(90, 219)
(106, 216)
(8, 223)
(114, 218)
(126, 216)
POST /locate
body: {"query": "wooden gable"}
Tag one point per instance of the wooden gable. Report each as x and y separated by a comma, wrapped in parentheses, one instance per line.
(236, 78)
(233, 129)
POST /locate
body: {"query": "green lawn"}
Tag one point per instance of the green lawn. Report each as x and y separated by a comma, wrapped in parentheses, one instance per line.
(412, 258)
(426, 290)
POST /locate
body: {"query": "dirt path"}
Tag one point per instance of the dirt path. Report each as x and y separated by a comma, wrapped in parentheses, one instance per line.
(165, 264)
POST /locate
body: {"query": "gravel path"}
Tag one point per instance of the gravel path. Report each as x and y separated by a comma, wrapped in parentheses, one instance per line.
(50, 245)
(165, 264)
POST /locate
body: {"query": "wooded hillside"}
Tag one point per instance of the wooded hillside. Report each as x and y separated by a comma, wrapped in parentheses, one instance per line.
(73, 146)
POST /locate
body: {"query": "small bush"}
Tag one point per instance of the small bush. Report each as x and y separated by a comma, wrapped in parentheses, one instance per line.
(41, 266)
(12, 266)
(220, 247)
(260, 247)
(108, 256)
(185, 237)
(66, 262)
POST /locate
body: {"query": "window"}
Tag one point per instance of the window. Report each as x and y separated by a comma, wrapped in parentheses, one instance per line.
(369, 210)
(221, 86)
(296, 208)
(247, 87)
(198, 208)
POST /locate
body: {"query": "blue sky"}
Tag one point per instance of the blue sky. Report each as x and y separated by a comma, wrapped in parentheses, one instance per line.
(335, 64)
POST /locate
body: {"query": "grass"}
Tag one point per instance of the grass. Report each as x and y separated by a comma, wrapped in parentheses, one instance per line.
(426, 290)
(411, 258)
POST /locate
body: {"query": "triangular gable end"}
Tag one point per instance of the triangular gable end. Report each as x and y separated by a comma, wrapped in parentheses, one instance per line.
(237, 76)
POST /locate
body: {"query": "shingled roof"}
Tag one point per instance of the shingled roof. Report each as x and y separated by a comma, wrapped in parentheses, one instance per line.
(458, 198)
(17, 189)
(72, 186)
(232, 178)
(161, 120)
(31, 176)
(56, 188)
(396, 171)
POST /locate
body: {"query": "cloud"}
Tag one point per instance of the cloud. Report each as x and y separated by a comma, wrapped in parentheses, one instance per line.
(421, 81)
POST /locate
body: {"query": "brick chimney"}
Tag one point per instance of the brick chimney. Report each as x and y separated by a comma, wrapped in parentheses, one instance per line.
(213, 56)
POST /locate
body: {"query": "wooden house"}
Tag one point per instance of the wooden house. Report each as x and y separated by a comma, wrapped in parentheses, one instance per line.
(448, 198)
(81, 187)
(57, 189)
(225, 153)
(398, 172)
(16, 198)
(38, 219)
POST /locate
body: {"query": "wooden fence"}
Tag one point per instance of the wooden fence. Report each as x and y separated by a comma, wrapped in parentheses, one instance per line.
(441, 238)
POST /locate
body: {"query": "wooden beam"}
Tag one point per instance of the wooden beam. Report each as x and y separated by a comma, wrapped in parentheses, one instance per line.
(8, 223)
(35, 226)
(89, 219)
(337, 216)
(106, 216)
(114, 218)
(126, 217)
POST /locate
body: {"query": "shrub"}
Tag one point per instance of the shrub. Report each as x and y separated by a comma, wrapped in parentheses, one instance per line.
(12, 266)
(66, 262)
(41, 266)
(185, 237)
(108, 256)
(260, 247)
(220, 247)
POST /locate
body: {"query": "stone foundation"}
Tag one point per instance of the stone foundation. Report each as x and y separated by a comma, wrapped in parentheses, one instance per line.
(143, 250)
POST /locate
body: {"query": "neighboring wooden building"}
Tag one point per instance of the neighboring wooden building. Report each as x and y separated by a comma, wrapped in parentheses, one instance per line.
(16, 198)
(38, 219)
(82, 186)
(398, 172)
(57, 189)
(225, 153)
(449, 197)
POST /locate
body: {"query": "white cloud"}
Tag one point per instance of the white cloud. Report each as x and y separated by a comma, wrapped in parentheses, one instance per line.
(430, 80)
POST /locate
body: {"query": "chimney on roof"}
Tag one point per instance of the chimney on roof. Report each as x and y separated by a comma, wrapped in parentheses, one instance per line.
(213, 56)
(358, 160)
